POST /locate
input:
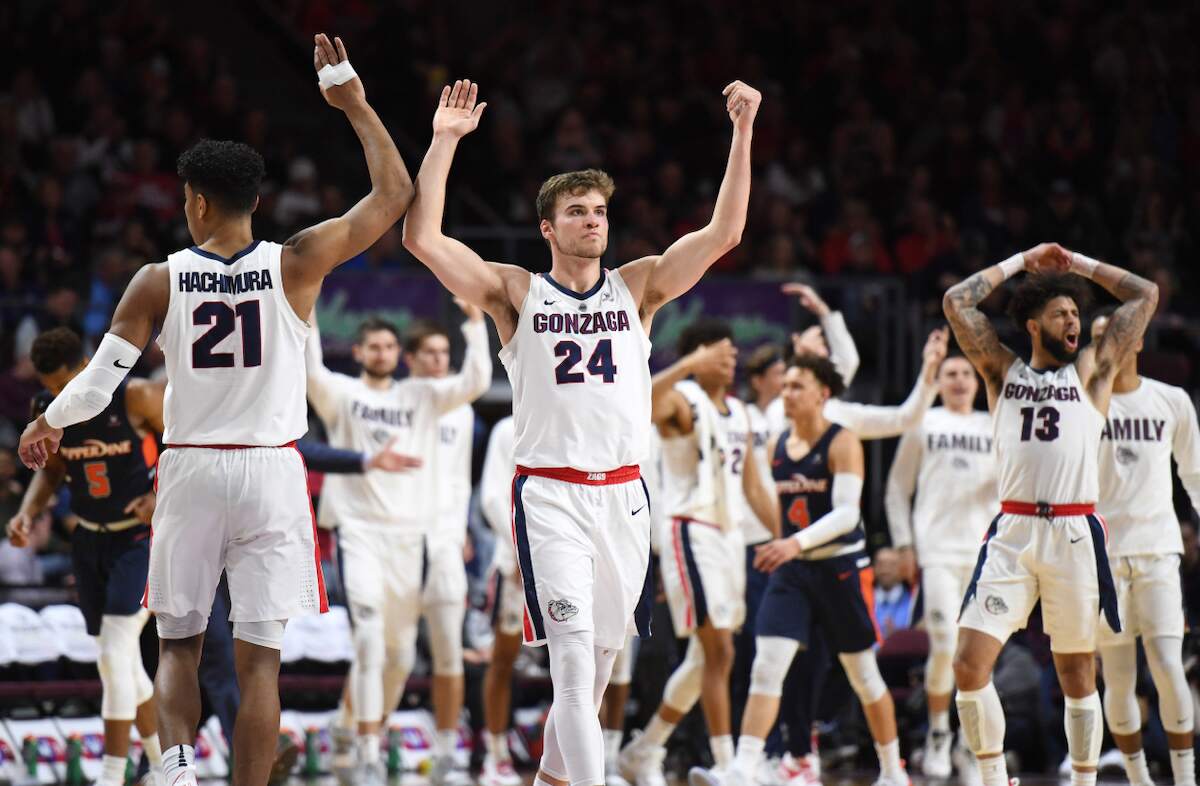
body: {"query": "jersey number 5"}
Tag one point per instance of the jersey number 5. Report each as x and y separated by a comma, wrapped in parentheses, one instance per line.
(1047, 430)
(600, 364)
(222, 318)
(96, 473)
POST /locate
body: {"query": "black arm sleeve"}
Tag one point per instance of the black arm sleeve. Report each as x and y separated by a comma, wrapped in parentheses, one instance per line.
(322, 458)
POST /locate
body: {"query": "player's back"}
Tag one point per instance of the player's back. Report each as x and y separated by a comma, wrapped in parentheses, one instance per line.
(1047, 437)
(578, 363)
(234, 350)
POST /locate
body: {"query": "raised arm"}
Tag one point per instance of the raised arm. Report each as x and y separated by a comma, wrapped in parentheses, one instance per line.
(669, 410)
(476, 375)
(897, 499)
(497, 289)
(323, 386)
(311, 253)
(838, 344)
(495, 484)
(657, 280)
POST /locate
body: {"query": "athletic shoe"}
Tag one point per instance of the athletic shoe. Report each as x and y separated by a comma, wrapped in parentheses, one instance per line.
(641, 764)
(286, 755)
(498, 772)
(1111, 763)
(152, 778)
(885, 780)
(936, 763)
(767, 773)
(612, 777)
(797, 772)
(1064, 769)
(966, 764)
(442, 770)
(345, 755)
(717, 776)
(370, 774)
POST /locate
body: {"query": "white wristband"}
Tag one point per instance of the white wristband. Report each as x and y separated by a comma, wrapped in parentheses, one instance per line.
(1082, 265)
(1013, 265)
(331, 75)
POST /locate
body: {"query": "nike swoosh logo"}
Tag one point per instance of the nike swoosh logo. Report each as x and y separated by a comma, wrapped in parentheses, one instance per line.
(117, 363)
(1076, 540)
(639, 510)
(547, 302)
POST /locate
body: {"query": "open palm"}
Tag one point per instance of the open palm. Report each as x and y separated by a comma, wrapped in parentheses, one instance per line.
(457, 113)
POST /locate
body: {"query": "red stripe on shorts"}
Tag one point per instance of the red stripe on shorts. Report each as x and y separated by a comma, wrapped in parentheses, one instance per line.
(684, 579)
(1048, 511)
(316, 539)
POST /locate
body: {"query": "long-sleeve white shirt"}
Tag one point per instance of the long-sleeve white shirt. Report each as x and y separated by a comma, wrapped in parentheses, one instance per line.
(360, 418)
(949, 462)
(456, 432)
(495, 492)
(1145, 428)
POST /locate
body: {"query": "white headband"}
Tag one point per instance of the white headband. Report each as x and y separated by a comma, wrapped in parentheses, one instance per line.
(339, 74)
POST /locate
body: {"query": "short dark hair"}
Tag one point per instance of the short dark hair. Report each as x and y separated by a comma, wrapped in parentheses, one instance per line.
(57, 348)
(227, 173)
(701, 333)
(823, 369)
(374, 325)
(573, 183)
(762, 359)
(416, 334)
(1038, 289)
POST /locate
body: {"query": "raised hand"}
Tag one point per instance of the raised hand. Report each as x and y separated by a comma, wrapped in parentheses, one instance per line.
(344, 96)
(472, 312)
(718, 358)
(1047, 258)
(457, 114)
(18, 529)
(741, 101)
(810, 342)
(808, 298)
(936, 347)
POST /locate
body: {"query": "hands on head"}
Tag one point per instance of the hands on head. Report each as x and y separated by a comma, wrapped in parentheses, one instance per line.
(713, 359)
(1047, 258)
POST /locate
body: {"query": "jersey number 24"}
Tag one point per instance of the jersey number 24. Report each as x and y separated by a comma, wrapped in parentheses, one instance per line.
(600, 364)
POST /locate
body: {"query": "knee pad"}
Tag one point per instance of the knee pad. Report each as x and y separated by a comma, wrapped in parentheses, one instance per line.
(982, 719)
(397, 665)
(366, 673)
(772, 657)
(445, 638)
(683, 687)
(1165, 657)
(1121, 708)
(577, 737)
(170, 627)
(119, 663)
(939, 673)
(862, 671)
(267, 633)
(1083, 720)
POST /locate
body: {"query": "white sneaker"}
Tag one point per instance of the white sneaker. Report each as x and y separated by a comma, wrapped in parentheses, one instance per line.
(498, 772)
(345, 755)
(1064, 769)
(886, 780)
(797, 772)
(370, 774)
(1111, 763)
(717, 776)
(967, 765)
(612, 776)
(641, 763)
(768, 773)
(936, 763)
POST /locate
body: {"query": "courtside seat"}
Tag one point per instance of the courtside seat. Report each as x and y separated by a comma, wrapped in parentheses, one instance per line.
(69, 631)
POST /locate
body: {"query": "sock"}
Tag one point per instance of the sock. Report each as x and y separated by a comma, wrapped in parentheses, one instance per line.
(497, 745)
(447, 741)
(178, 765)
(1083, 778)
(939, 721)
(722, 750)
(1135, 768)
(889, 758)
(658, 731)
(749, 754)
(612, 748)
(1183, 766)
(113, 772)
(368, 748)
(994, 771)
(152, 749)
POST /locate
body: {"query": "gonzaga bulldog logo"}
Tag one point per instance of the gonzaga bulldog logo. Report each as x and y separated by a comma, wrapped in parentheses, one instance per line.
(561, 610)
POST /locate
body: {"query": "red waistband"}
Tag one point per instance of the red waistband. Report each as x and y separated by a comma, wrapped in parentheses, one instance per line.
(291, 444)
(619, 475)
(1046, 510)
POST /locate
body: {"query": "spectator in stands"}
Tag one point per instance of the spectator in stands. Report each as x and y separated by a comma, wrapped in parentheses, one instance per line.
(1190, 569)
(299, 203)
(893, 598)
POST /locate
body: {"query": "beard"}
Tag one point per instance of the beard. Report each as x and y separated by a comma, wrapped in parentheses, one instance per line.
(1058, 349)
(378, 372)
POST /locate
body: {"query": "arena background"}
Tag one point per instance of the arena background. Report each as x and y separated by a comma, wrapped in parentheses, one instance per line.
(899, 148)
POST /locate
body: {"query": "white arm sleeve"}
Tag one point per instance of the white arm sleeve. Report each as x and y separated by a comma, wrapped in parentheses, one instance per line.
(842, 351)
(495, 484)
(92, 389)
(901, 483)
(476, 375)
(1186, 449)
(846, 493)
(871, 421)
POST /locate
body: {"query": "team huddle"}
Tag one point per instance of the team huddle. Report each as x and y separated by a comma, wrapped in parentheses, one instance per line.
(753, 508)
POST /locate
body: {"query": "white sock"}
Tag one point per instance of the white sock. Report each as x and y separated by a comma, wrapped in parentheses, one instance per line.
(178, 765)
(1083, 778)
(658, 731)
(152, 749)
(113, 772)
(368, 748)
(994, 771)
(939, 721)
(497, 745)
(749, 753)
(612, 747)
(447, 741)
(889, 758)
(1136, 769)
(1183, 766)
(722, 750)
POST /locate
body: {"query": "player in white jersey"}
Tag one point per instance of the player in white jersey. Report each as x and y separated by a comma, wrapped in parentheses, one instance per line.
(709, 478)
(1047, 543)
(948, 462)
(232, 493)
(1149, 423)
(384, 520)
(576, 347)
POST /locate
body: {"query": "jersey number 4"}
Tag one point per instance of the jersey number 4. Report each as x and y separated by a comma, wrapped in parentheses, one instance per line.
(223, 319)
(600, 364)
(798, 513)
(1047, 430)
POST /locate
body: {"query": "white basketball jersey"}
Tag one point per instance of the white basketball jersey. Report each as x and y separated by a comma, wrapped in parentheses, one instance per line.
(754, 530)
(579, 367)
(234, 350)
(1047, 436)
(702, 471)
(1145, 427)
(456, 430)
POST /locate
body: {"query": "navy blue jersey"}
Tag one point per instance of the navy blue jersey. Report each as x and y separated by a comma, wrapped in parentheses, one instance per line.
(107, 464)
(805, 487)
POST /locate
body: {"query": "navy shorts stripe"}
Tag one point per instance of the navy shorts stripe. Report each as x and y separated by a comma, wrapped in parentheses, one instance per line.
(525, 560)
(698, 601)
(1108, 589)
(644, 610)
(970, 593)
(424, 562)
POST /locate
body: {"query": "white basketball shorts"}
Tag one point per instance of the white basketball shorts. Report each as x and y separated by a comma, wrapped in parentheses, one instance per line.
(942, 591)
(445, 575)
(704, 575)
(1150, 596)
(381, 575)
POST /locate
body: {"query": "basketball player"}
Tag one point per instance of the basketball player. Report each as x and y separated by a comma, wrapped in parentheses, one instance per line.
(232, 493)
(386, 523)
(107, 463)
(1149, 423)
(948, 462)
(576, 346)
(1047, 542)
